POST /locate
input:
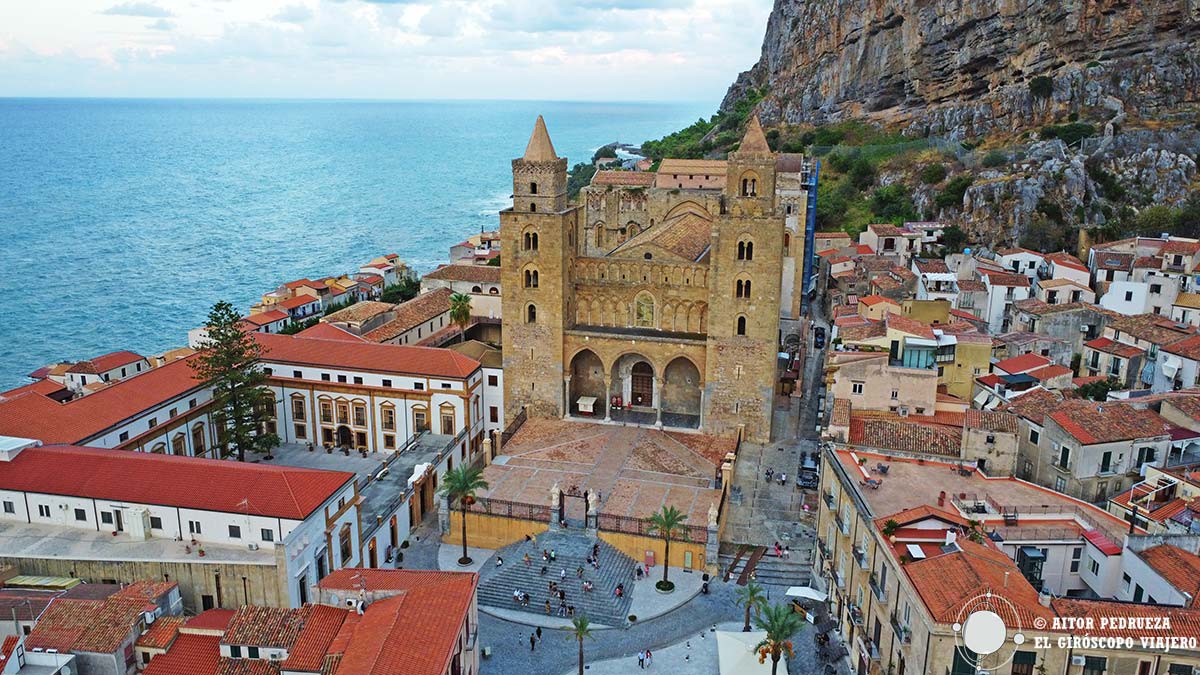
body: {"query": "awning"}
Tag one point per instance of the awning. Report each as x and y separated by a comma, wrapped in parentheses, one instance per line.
(807, 593)
(1171, 366)
(992, 404)
(736, 654)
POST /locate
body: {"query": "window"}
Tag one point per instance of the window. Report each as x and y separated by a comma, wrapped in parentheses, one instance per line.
(389, 419)
(105, 516)
(531, 238)
(193, 526)
(1138, 592)
(493, 381)
(895, 394)
(530, 314)
(235, 651)
(387, 383)
(1024, 663)
(1128, 296)
(533, 188)
(155, 523)
(857, 387)
(531, 278)
(389, 441)
(1156, 288)
(80, 514)
(298, 409)
(267, 534)
(1076, 556)
(1060, 484)
(493, 414)
(252, 652)
(1034, 436)
(123, 437)
(346, 543)
(342, 379)
(1126, 581)
(741, 325)
(235, 532)
(9, 507)
(297, 375)
(745, 250)
(1180, 669)
(1094, 665)
(325, 377)
(360, 416)
(301, 431)
(419, 386)
(447, 385)
(742, 288)
(358, 380)
(152, 423)
(171, 413)
(1093, 566)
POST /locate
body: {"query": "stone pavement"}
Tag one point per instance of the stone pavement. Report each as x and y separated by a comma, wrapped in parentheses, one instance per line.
(694, 655)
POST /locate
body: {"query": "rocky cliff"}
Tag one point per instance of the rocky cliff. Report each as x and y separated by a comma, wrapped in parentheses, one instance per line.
(965, 67)
(1000, 74)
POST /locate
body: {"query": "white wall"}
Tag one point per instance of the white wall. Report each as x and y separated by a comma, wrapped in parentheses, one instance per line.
(1126, 297)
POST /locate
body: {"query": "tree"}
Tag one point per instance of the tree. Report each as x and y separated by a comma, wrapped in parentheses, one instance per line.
(781, 623)
(459, 485)
(933, 173)
(667, 523)
(460, 312)
(1043, 235)
(953, 239)
(580, 629)
(1098, 390)
(1041, 87)
(407, 289)
(228, 362)
(751, 596)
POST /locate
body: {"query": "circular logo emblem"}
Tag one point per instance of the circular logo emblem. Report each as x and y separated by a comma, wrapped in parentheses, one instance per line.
(981, 632)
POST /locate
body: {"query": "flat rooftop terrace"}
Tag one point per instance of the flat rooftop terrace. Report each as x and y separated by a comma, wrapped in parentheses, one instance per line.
(635, 470)
(908, 484)
(23, 540)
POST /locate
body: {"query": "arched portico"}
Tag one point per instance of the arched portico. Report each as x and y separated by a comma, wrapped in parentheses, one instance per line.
(682, 393)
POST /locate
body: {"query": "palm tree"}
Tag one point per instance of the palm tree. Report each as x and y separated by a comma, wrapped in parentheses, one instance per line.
(580, 628)
(460, 485)
(781, 623)
(460, 312)
(753, 597)
(668, 524)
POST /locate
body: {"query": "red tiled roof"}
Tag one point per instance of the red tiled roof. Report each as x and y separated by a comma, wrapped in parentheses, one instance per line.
(24, 604)
(991, 380)
(7, 649)
(923, 512)
(212, 619)
(410, 314)
(1067, 260)
(863, 249)
(1091, 422)
(264, 318)
(96, 626)
(1022, 364)
(990, 420)
(1180, 247)
(1035, 404)
(948, 582)
(29, 414)
(484, 274)
(325, 331)
(910, 326)
(383, 358)
(635, 178)
(1102, 542)
(161, 633)
(872, 300)
(905, 435)
(188, 655)
(105, 363)
(1178, 567)
(266, 627)
(1005, 279)
(301, 283)
(1112, 347)
(320, 627)
(1189, 348)
(146, 478)
(1050, 371)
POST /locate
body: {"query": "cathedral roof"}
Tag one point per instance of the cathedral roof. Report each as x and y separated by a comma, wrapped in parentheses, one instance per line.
(754, 141)
(540, 149)
(687, 236)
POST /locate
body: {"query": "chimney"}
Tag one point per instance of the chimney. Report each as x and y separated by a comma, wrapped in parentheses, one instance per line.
(951, 537)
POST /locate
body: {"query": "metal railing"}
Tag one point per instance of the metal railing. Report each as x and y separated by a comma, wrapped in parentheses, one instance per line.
(879, 590)
(903, 633)
(510, 509)
(514, 426)
(645, 527)
(860, 556)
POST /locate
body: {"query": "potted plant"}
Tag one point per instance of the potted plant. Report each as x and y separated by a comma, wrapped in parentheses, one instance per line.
(890, 527)
(201, 551)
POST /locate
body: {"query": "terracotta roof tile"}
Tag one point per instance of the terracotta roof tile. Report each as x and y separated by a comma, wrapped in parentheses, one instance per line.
(1178, 567)
(161, 633)
(410, 314)
(1153, 328)
(1185, 623)
(687, 236)
(188, 655)
(1022, 364)
(147, 478)
(320, 628)
(324, 331)
(1091, 422)
(476, 274)
(1112, 347)
(1006, 279)
(368, 356)
(264, 318)
(632, 178)
(947, 583)
(97, 626)
(212, 619)
(105, 363)
(359, 312)
(298, 301)
(1189, 348)
(991, 421)
(1035, 404)
(905, 436)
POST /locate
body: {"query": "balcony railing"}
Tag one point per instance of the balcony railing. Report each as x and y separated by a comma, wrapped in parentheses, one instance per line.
(856, 615)
(903, 634)
(828, 497)
(860, 556)
(1061, 465)
(879, 591)
(843, 525)
(824, 548)
(870, 649)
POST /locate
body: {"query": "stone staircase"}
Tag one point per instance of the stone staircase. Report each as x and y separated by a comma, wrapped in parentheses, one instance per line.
(572, 550)
(768, 569)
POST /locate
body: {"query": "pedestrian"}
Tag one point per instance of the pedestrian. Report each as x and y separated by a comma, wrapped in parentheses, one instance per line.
(553, 555)
(544, 570)
(649, 658)
(532, 642)
(539, 632)
(782, 478)
(641, 659)
(499, 561)
(579, 571)
(562, 574)
(787, 552)
(548, 608)
(528, 560)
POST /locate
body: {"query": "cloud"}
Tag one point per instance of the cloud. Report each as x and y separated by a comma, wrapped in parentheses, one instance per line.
(145, 9)
(293, 14)
(161, 24)
(441, 21)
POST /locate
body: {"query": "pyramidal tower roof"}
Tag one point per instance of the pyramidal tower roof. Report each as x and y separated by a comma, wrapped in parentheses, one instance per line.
(754, 141)
(540, 149)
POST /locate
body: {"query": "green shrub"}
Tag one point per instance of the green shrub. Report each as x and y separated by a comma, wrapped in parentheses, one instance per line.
(933, 173)
(1070, 133)
(606, 152)
(893, 204)
(1041, 87)
(861, 173)
(994, 159)
(952, 196)
(1107, 182)
(1051, 210)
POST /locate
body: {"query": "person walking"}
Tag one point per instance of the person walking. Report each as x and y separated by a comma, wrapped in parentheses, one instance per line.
(641, 659)
(539, 633)
(649, 658)
(532, 642)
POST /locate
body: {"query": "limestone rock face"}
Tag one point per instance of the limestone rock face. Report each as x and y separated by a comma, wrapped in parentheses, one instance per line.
(962, 68)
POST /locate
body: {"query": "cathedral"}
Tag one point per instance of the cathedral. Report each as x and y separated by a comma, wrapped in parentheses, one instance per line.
(661, 298)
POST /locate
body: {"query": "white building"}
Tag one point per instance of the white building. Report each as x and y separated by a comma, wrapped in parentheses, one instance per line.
(107, 368)
(1003, 290)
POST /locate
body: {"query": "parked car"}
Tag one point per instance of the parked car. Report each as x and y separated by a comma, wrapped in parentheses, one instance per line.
(819, 337)
(808, 480)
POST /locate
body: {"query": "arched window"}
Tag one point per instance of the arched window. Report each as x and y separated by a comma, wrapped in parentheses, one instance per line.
(643, 311)
(531, 241)
(179, 444)
(533, 188)
(531, 278)
(745, 250)
(530, 314)
(787, 241)
(198, 439)
(745, 187)
(159, 449)
(742, 289)
(493, 291)
(741, 325)
(476, 289)
(532, 206)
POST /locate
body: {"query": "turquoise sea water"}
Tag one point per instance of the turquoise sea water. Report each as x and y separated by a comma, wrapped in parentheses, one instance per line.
(123, 221)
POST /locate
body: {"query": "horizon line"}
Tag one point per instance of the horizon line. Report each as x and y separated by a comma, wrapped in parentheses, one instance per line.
(353, 99)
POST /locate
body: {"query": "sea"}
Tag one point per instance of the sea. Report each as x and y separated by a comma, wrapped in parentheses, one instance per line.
(123, 220)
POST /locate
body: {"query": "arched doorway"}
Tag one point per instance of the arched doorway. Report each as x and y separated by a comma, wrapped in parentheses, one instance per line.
(344, 437)
(633, 384)
(681, 394)
(587, 382)
(641, 385)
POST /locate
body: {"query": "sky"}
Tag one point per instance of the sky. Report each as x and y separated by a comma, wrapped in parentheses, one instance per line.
(607, 50)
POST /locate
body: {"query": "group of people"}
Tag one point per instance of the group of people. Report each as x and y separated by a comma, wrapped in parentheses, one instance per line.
(645, 658)
(782, 477)
(784, 552)
(619, 591)
(521, 598)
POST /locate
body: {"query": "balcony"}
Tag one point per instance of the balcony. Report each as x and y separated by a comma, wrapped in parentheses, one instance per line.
(1062, 466)
(879, 591)
(843, 525)
(826, 552)
(840, 580)
(869, 649)
(828, 497)
(856, 615)
(860, 556)
(903, 633)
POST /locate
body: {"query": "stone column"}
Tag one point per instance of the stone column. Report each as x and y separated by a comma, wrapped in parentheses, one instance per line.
(566, 396)
(487, 451)
(443, 514)
(658, 402)
(554, 501)
(607, 398)
(712, 546)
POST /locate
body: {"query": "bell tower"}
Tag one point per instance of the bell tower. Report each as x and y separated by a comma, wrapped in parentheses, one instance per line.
(744, 290)
(537, 250)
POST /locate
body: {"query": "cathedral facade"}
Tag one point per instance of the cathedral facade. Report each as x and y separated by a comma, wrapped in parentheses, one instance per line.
(657, 299)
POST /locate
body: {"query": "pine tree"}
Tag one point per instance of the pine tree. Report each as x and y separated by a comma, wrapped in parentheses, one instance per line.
(228, 362)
